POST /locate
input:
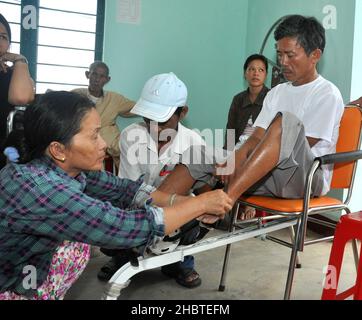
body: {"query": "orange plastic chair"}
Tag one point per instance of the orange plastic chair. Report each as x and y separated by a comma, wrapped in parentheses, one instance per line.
(345, 160)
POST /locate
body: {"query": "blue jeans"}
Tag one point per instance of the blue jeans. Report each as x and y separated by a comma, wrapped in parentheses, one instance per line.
(188, 263)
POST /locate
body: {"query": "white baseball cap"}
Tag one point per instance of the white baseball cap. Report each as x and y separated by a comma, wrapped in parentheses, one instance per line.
(160, 97)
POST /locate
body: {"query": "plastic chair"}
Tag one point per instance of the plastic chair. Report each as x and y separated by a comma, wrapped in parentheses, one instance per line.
(345, 160)
(348, 228)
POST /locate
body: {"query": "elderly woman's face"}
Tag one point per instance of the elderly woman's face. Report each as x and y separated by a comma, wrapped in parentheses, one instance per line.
(4, 40)
(87, 149)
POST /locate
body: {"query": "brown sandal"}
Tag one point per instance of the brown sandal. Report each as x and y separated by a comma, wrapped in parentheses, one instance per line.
(185, 277)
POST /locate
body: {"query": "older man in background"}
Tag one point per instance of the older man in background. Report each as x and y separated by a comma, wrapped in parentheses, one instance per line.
(109, 105)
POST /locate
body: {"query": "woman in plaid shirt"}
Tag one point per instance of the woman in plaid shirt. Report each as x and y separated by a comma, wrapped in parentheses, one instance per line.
(55, 201)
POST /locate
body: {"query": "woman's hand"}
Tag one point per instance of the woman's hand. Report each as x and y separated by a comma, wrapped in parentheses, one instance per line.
(216, 202)
(21, 88)
(9, 57)
(209, 219)
(3, 65)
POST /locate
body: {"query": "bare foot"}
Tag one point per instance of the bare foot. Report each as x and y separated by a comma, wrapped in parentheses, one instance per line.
(247, 213)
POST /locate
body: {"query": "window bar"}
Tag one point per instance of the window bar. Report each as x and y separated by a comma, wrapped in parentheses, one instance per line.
(63, 83)
(67, 11)
(61, 65)
(29, 38)
(67, 48)
(98, 53)
(64, 29)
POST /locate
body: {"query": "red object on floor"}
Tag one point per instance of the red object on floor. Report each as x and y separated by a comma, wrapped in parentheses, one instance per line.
(261, 214)
(349, 227)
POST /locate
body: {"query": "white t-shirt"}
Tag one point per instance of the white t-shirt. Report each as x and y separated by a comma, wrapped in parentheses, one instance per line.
(139, 154)
(318, 104)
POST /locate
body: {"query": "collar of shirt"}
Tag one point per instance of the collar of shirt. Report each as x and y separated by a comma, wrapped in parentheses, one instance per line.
(46, 163)
(95, 99)
(259, 99)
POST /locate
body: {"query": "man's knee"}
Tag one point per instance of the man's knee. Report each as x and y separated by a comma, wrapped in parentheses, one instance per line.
(275, 128)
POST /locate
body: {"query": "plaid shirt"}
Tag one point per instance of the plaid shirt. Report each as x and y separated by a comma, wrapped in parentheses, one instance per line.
(41, 206)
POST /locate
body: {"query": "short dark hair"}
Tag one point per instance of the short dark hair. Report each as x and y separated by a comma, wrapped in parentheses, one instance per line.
(178, 111)
(309, 32)
(256, 57)
(5, 23)
(55, 116)
(101, 64)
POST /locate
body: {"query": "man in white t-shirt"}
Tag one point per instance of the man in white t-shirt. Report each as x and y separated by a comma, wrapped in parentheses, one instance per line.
(298, 122)
(142, 155)
(151, 149)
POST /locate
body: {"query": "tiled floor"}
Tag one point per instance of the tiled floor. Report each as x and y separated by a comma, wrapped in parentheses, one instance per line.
(257, 270)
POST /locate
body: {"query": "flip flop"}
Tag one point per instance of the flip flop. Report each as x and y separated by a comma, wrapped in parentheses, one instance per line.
(186, 277)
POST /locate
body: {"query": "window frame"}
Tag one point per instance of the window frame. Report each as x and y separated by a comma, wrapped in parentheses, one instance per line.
(29, 39)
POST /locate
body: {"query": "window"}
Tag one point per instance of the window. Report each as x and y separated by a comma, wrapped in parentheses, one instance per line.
(11, 10)
(68, 38)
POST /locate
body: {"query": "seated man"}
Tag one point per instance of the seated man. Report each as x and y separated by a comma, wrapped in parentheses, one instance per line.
(151, 149)
(298, 122)
(108, 104)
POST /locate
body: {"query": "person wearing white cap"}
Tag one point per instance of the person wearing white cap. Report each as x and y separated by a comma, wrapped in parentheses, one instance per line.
(161, 138)
(151, 149)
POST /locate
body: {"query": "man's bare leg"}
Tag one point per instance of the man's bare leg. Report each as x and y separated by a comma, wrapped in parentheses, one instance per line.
(261, 161)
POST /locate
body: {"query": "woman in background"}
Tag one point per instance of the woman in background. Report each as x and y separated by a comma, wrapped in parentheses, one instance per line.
(16, 85)
(246, 107)
(247, 104)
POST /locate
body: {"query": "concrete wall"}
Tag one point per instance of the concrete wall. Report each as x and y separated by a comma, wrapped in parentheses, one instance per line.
(202, 41)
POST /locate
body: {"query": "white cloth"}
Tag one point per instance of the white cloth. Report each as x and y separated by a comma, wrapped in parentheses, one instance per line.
(318, 104)
(248, 131)
(139, 154)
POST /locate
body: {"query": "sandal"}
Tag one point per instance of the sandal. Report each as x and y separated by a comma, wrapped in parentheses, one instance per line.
(111, 267)
(186, 277)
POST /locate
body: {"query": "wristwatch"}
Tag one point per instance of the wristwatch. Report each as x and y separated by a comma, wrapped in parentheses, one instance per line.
(22, 59)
